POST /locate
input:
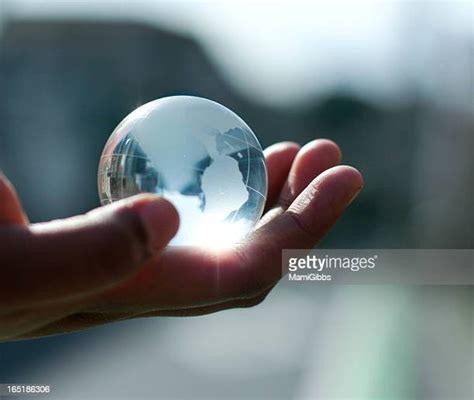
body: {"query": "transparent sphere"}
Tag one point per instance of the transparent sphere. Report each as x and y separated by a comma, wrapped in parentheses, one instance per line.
(199, 155)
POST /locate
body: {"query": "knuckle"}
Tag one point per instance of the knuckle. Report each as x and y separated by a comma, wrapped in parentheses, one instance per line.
(302, 225)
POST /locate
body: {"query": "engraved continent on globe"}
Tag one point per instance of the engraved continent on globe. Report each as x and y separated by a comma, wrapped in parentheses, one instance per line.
(199, 155)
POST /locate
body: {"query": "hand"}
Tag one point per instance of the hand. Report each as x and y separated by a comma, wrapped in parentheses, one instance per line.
(113, 264)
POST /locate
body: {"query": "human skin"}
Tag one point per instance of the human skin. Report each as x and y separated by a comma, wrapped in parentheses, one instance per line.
(113, 264)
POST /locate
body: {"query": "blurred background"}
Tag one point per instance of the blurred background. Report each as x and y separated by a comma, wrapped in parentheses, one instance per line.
(390, 81)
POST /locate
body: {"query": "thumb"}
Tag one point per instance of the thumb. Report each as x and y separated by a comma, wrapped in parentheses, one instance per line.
(83, 254)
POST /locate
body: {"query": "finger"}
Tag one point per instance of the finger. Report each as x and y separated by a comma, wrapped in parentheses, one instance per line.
(279, 158)
(187, 277)
(11, 211)
(314, 158)
(302, 225)
(82, 254)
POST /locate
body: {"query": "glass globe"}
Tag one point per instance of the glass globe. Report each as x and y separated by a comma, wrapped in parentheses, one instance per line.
(199, 155)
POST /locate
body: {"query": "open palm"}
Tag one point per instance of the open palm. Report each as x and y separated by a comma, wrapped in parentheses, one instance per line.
(113, 264)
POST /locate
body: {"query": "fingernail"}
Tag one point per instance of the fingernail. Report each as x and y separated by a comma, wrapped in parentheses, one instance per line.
(161, 221)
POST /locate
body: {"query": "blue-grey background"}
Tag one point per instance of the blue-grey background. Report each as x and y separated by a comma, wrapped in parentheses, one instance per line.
(391, 82)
